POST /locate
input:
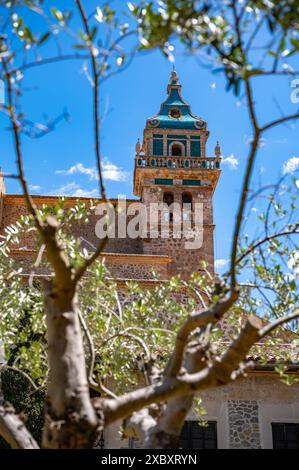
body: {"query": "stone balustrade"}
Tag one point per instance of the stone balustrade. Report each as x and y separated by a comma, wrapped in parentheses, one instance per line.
(145, 161)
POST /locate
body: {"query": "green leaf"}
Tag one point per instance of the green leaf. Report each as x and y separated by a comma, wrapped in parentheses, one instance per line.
(57, 14)
(44, 38)
(80, 46)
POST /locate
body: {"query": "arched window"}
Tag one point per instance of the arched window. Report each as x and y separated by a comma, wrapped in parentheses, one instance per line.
(176, 150)
(187, 205)
(168, 199)
(187, 199)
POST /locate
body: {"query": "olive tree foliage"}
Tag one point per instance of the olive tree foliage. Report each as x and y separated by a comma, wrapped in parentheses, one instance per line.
(101, 356)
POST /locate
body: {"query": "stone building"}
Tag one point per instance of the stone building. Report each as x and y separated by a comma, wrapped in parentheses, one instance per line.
(172, 168)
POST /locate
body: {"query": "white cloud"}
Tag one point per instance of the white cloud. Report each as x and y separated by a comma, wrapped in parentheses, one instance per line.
(80, 192)
(81, 169)
(291, 165)
(248, 139)
(74, 190)
(220, 263)
(34, 187)
(262, 142)
(111, 171)
(231, 161)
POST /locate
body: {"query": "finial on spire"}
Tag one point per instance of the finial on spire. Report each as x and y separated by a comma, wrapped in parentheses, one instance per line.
(2, 184)
(218, 150)
(138, 147)
(174, 76)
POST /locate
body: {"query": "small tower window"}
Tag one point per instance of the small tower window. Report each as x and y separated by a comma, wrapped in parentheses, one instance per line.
(187, 206)
(187, 198)
(168, 199)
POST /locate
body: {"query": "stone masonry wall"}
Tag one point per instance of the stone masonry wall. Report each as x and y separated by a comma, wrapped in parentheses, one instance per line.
(14, 207)
(136, 270)
(118, 270)
(185, 260)
(243, 418)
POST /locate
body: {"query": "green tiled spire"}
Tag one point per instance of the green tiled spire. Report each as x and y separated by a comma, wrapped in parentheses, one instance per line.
(175, 113)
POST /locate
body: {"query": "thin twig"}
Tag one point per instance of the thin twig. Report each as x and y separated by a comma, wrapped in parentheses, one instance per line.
(21, 372)
(280, 321)
(265, 240)
(95, 74)
(90, 345)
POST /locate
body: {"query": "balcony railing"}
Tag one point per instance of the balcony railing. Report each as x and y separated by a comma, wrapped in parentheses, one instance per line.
(142, 161)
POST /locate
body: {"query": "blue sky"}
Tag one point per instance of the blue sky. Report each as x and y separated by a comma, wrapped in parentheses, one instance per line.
(127, 100)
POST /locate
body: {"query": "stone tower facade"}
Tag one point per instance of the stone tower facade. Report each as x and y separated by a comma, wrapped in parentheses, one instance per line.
(172, 168)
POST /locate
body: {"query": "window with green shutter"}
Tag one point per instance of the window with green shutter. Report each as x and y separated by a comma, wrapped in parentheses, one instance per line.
(158, 147)
(195, 148)
(164, 181)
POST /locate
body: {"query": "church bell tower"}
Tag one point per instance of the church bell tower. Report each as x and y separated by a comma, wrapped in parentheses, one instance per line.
(171, 166)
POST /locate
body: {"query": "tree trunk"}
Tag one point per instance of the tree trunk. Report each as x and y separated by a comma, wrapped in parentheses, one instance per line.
(70, 419)
(166, 434)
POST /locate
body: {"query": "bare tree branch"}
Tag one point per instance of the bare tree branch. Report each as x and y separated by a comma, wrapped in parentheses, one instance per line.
(242, 203)
(15, 126)
(265, 240)
(96, 117)
(291, 117)
(275, 324)
(211, 315)
(95, 75)
(13, 430)
(90, 345)
(220, 373)
(21, 372)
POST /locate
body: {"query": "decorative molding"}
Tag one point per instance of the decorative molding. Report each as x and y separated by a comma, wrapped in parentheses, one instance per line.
(69, 200)
(115, 257)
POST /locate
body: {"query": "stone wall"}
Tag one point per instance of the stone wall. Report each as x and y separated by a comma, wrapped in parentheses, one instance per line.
(119, 266)
(14, 207)
(185, 260)
(243, 409)
(243, 419)
(131, 270)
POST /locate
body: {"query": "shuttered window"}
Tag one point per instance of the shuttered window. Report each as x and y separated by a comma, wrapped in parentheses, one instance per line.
(194, 436)
(285, 435)
(158, 147)
(195, 148)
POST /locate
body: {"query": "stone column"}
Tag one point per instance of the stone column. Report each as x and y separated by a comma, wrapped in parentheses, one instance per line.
(165, 145)
(188, 150)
